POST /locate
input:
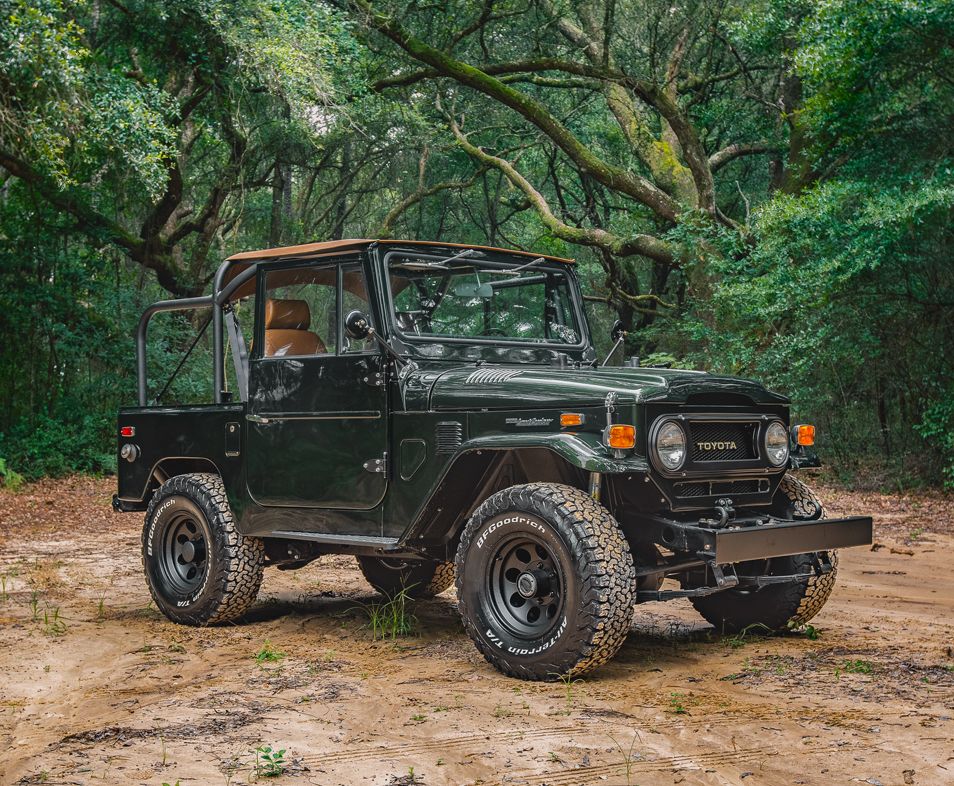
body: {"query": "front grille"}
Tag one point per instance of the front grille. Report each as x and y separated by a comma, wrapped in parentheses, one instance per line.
(729, 488)
(721, 441)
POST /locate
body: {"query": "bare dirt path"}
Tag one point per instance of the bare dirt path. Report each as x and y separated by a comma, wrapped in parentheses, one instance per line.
(96, 687)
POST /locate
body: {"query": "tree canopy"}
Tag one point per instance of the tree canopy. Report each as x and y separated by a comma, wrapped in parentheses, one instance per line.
(761, 188)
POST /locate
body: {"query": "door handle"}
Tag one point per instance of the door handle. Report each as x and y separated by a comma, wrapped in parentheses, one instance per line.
(257, 419)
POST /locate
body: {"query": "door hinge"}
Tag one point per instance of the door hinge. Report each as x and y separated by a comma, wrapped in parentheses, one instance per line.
(376, 379)
(378, 464)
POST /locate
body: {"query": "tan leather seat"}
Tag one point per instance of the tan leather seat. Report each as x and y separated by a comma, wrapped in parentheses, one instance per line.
(286, 329)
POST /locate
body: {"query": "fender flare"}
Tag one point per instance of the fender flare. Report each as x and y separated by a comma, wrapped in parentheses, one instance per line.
(581, 451)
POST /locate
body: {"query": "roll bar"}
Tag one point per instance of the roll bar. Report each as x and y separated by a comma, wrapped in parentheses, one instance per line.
(215, 301)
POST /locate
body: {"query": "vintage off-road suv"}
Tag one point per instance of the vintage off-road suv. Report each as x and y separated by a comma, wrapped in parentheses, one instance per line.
(439, 412)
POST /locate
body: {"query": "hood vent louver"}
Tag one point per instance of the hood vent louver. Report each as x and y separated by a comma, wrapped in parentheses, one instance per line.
(448, 436)
(491, 376)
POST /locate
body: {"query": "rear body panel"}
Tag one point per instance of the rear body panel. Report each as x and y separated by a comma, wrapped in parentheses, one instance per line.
(210, 432)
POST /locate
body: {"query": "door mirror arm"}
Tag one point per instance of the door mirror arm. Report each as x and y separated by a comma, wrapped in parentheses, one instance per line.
(618, 334)
(358, 327)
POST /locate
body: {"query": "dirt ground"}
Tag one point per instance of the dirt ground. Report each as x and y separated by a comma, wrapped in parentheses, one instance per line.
(96, 687)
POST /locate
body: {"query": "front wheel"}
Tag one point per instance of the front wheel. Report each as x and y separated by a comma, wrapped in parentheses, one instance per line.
(199, 568)
(545, 581)
(776, 607)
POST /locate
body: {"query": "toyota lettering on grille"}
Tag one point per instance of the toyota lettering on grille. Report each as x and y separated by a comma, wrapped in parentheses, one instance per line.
(716, 445)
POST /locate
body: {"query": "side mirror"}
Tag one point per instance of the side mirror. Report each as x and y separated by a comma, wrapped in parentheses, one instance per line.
(357, 325)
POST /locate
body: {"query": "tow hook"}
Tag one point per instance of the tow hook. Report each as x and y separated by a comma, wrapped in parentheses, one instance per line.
(726, 512)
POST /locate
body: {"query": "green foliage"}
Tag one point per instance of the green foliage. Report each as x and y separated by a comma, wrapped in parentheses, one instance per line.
(140, 142)
(269, 763)
(268, 654)
(937, 427)
(9, 478)
(858, 667)
(842, 304)
(392, 617)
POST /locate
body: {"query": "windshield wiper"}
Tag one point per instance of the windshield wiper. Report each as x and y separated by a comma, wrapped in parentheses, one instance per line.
(439, 265)
(514, 271)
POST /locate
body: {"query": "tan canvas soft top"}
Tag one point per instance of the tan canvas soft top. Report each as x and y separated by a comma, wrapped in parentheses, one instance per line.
(353, 283)
(333, 246)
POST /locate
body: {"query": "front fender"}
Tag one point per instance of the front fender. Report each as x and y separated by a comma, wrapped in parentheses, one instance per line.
(467, 478)
(581, 450)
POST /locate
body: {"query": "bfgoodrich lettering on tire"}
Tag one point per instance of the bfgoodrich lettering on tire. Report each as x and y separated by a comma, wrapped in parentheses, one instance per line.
(778, 607)
(545, 581)
(199, 568)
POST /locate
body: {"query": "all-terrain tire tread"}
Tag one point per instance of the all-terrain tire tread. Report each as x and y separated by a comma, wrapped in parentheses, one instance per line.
(607, 574)
(443, 579)
(241, 559)
(421, 579)
(819, 588)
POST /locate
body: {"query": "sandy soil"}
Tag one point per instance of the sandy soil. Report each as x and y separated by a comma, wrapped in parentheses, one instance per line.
(96, 687)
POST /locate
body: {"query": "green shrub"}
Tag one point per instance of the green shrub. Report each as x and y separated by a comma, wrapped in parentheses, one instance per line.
(9, 478)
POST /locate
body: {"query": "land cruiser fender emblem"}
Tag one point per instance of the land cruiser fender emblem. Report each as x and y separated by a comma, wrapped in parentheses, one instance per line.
(528, 422)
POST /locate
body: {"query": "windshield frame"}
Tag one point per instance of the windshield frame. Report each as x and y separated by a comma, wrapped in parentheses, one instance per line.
(503, 263)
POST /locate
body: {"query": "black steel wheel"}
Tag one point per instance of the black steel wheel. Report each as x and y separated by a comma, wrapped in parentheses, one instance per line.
(183, 555)
(776, 607)
(545, 581)
(525, 589)
(417, 578)
(199, 568)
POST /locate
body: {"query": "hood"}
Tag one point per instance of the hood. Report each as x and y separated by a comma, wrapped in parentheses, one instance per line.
(529, 387)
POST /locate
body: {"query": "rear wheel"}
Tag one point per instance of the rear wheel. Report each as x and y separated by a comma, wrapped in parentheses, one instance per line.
(417, 578)
(777, 607)
(199, 568)
(545, 581)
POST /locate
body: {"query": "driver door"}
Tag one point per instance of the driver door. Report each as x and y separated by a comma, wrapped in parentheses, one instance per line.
(317, 402)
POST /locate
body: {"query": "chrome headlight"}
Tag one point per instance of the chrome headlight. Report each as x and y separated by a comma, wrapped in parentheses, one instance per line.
(776, 443)
(671, 445)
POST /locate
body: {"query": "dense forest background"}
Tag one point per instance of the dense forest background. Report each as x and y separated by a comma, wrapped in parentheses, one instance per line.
(758, 187)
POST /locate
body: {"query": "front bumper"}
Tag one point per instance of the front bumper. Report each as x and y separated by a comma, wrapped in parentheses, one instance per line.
(763, 538)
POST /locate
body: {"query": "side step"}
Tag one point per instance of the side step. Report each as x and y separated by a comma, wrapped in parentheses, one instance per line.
(346, 544)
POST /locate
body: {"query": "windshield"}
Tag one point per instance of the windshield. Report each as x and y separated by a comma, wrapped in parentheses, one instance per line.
(526, 301)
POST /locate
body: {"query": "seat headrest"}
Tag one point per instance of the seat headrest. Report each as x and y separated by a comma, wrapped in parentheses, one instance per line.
(286, 314)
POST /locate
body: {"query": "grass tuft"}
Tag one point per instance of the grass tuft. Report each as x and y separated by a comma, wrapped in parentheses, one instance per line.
(268, 654)
(392, 617)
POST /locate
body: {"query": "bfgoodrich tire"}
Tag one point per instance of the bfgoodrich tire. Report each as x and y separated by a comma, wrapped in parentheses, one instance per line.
(545, 581)
(199, 568)
(778, 607)
(417, 578)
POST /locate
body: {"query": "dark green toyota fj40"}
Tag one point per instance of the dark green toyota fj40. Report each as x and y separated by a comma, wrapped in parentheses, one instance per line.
(439, 412)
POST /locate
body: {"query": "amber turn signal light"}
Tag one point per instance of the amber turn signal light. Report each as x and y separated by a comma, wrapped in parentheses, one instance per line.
(620, 436)
(804, 435)
(568, 419)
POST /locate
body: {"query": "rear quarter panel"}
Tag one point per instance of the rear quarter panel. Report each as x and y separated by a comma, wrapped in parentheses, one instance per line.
(212, 432)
